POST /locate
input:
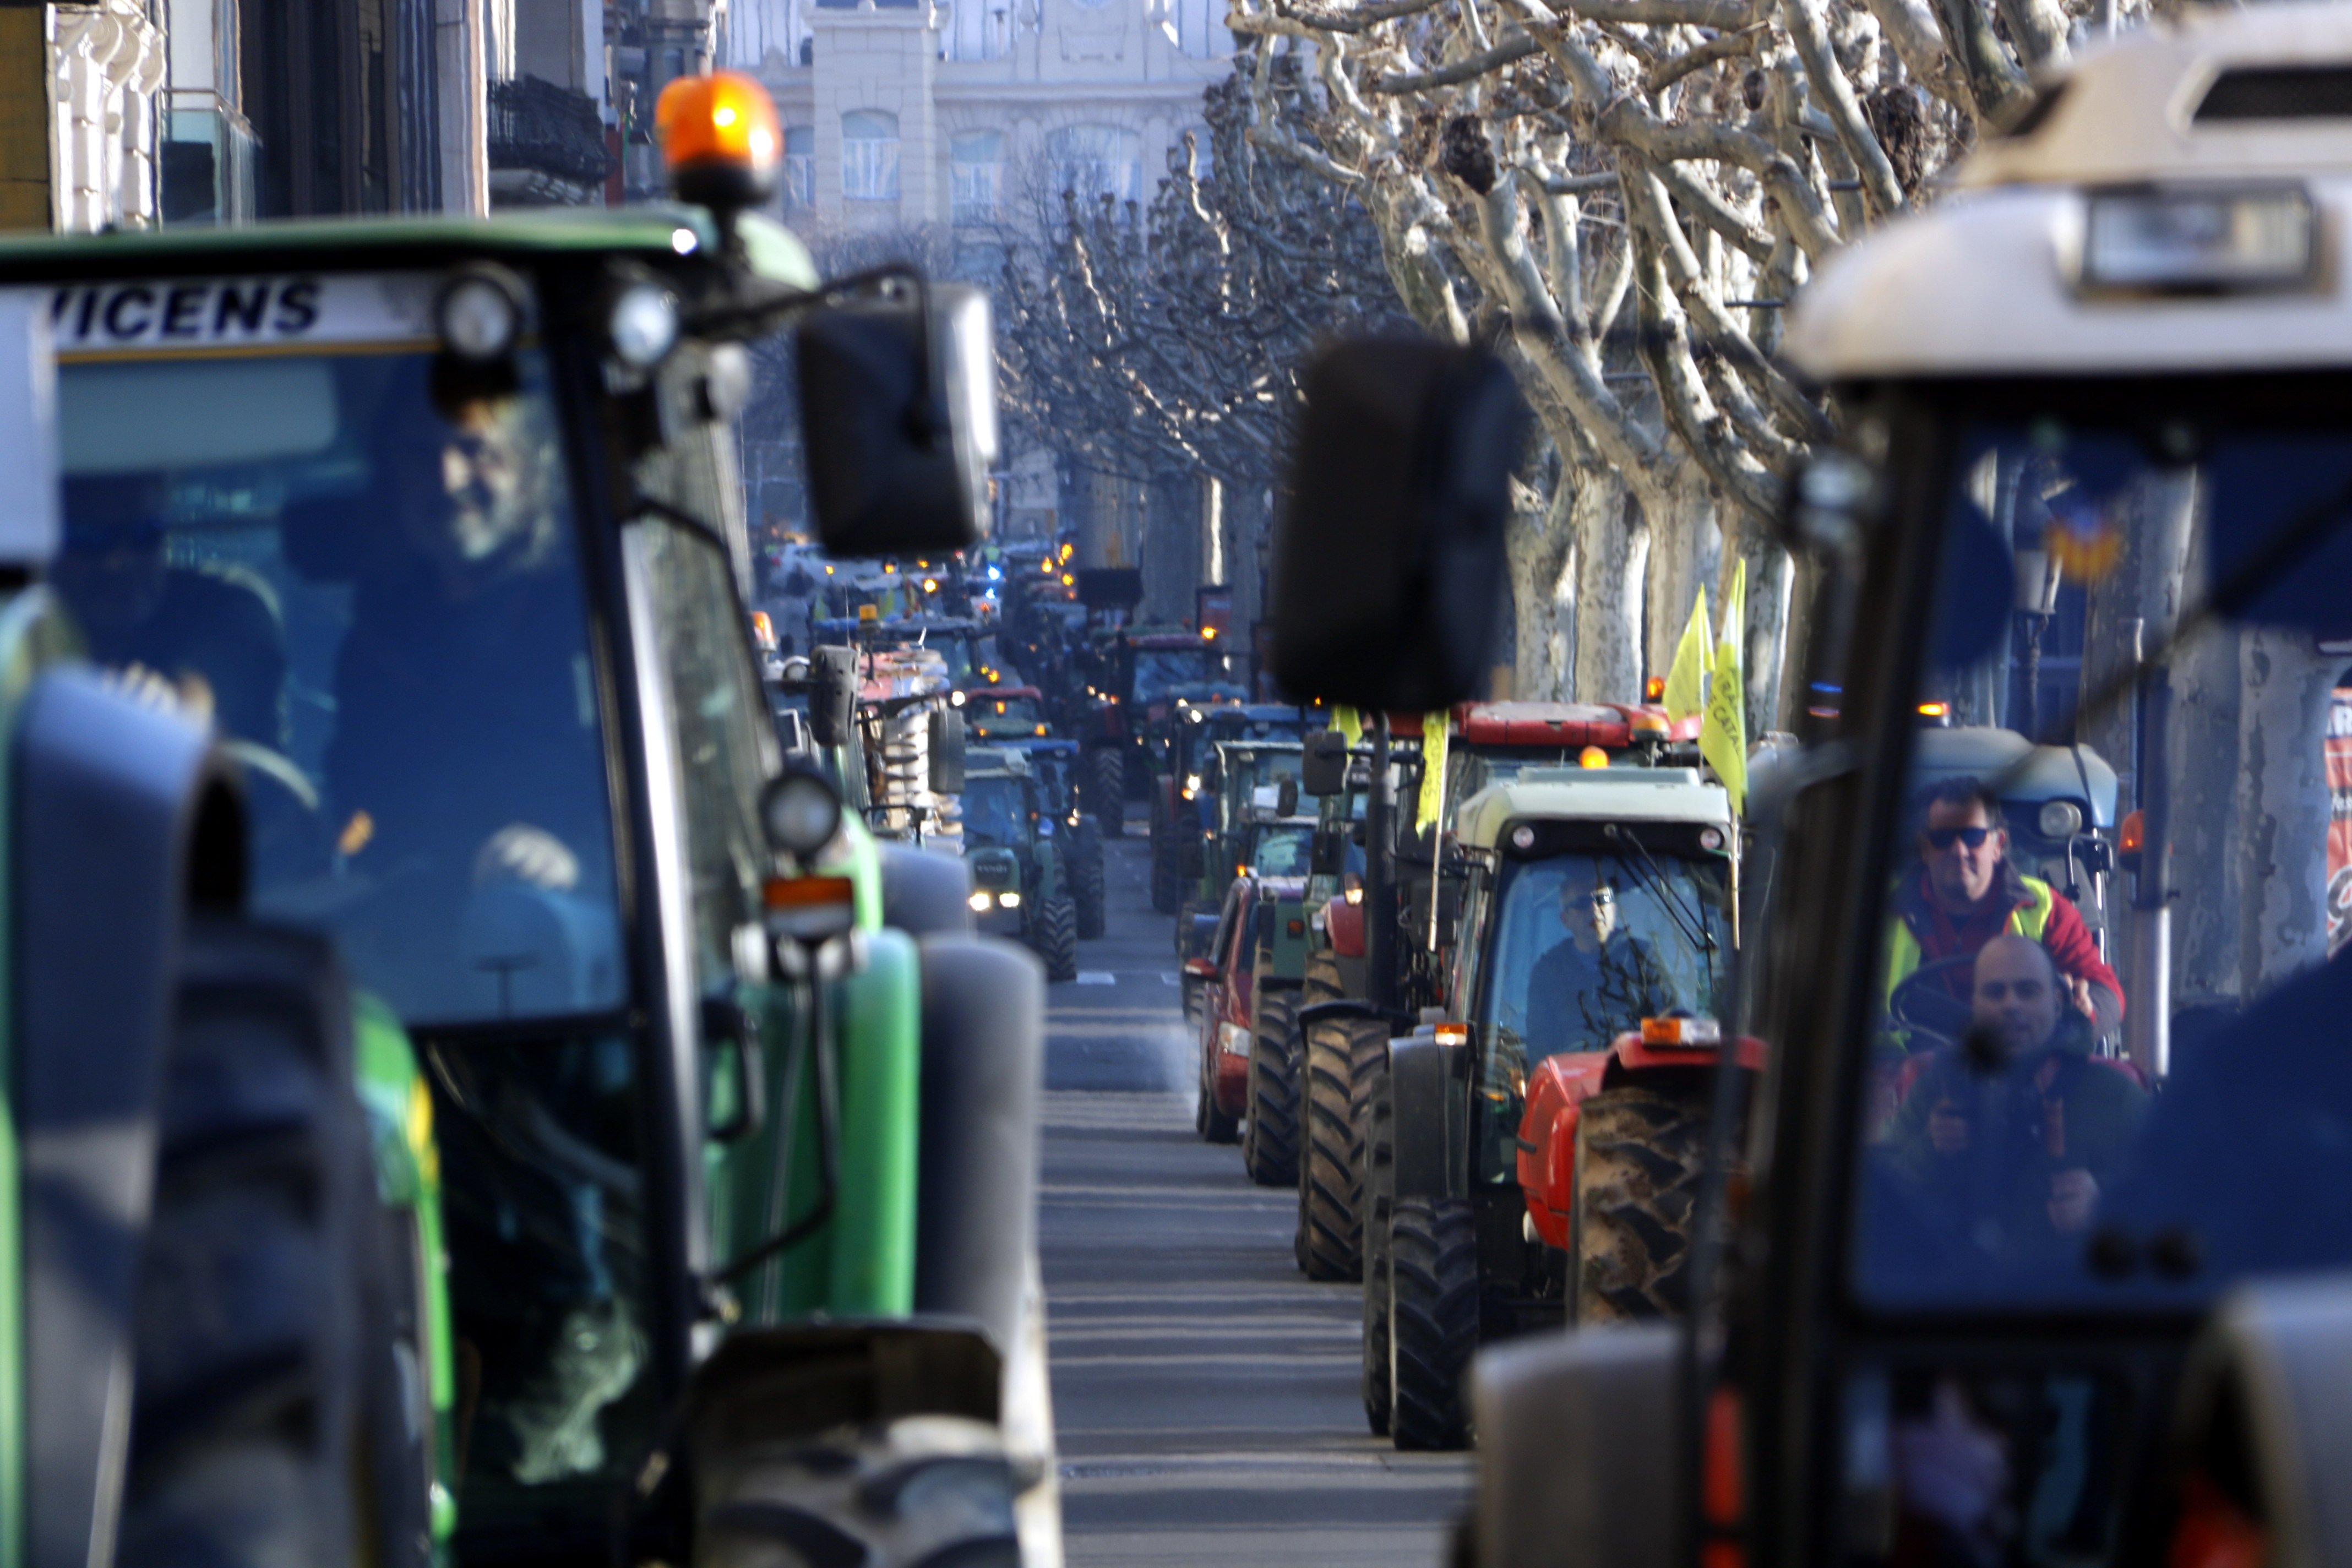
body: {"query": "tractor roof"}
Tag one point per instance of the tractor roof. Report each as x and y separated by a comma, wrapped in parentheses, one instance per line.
(1591, 795)
(1552, 725)
(2002, 278)
(353, 243)
(995, 762)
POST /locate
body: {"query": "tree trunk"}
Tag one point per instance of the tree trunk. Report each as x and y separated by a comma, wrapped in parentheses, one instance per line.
(1612, 554)
(2206, 864)
(1543, 595)
(2284, 687)
(1245, 517)
(1171, 546)
(1686, 549)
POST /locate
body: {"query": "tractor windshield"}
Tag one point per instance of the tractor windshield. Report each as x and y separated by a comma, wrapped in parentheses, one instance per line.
(1283, 850)
(363, 568)
(1160, 672)
(1581, 948)
(993, 812)
(2110, 1067)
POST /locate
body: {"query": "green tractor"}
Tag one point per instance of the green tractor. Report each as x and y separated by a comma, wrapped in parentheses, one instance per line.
(1020, 858)
(436, 523)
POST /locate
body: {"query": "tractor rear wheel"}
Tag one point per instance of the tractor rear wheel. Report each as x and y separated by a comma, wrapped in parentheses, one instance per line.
(1108, 769)
(1433, 1319)
(1086, 886)
(1379, 1198)
(271, 1422)
(1270, 1145)
(1057, 938)
(1640, 1154)
(1167, 883)
(1331, 1158)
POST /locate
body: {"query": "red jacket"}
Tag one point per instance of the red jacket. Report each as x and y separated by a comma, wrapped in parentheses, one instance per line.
(2070, 943)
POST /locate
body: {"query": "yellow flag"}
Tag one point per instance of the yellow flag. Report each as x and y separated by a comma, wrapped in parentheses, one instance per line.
(1685, 681)
(1350, 724)
(1723, 733)
(1433, 769)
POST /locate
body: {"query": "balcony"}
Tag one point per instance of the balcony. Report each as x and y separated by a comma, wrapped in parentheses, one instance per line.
(546, 145)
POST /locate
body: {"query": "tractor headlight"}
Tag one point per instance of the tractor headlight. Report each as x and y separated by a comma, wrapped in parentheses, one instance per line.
(479, 313)
(801, 812)
(2198, 241)
(1008, 900)
(642, 325)
(978, 903)
(2059, 819)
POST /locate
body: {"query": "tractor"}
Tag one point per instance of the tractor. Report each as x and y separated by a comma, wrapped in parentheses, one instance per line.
(1055, 764)
(436, 523)
(1134, 678)
(1015, 844)
(1586, 987)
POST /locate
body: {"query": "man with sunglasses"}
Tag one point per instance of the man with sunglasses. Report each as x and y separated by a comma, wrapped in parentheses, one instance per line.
(1966, 892)
(1599, 981)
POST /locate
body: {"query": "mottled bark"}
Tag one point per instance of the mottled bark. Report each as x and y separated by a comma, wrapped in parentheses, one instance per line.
(1612, 553)
(1542, 544)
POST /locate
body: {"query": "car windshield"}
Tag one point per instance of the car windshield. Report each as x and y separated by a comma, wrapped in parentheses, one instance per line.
(363, 568)
(2097, 1071)
(1583, 947)
(993, 809)
(1160, 671)
(1283, 850)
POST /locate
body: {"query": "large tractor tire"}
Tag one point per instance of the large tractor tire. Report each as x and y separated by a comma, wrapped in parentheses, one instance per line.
(1057, 938)
(1640, 1155)
(922, 1492)
(1087, 887)
(1380, 1201)
(1322, 981)
(1331, 1158)
(1107, 769)
(1433, 1319)
(1167, 881)
(1270, 1145)
(270, 1424)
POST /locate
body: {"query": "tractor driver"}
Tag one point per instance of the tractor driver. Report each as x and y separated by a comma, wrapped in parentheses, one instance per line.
(2017, 1133)
(1966, 892)
(465, 732)
(1597, 983)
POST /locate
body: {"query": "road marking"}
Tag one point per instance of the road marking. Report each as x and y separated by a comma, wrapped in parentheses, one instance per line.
(1096, 977)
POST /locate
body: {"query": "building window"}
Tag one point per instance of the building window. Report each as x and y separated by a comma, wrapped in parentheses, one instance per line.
(800, 166)
(976, 29)
(869, 155)
(977, 166)
(1096, 161)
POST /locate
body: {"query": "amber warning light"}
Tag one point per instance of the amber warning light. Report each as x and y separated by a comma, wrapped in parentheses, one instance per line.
(720, 141)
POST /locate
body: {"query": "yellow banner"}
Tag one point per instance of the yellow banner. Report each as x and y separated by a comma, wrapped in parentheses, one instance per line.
(1686, 681)
(1723, 733)
(1350, 724)
(1432, 770)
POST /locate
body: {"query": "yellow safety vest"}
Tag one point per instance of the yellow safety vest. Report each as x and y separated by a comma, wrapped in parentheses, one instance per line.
(2028, 920)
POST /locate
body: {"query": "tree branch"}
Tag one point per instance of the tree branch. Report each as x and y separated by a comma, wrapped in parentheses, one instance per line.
(1835, 95)
(1516, 46)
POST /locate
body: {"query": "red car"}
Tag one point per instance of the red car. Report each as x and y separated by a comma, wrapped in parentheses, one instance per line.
(1218, 990)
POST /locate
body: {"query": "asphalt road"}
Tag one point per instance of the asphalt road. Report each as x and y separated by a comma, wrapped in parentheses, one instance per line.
(1205, 1392)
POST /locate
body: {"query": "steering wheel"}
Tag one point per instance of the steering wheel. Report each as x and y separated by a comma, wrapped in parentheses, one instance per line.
(1922, 1005)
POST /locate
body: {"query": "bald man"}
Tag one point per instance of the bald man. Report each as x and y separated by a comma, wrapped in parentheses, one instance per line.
(2019, 1138)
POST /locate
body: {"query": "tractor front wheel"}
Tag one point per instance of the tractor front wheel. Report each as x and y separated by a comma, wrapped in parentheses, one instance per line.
(1331, 1161)
(1640, 1154)
(1110, 782)
(1433, 1267)
(1086, 884)
(1379, 1198)
(1270, 1146)
(1057, 938)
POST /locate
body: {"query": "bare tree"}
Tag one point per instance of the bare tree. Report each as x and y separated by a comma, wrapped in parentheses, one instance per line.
(1627, 192)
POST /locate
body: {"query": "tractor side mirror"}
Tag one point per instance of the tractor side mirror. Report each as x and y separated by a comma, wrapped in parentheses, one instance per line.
(1285, 798)
(1323, 771)
(946, 747)
(1389, 564)
(833, 697)
(1201, 968)
(899, 410)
